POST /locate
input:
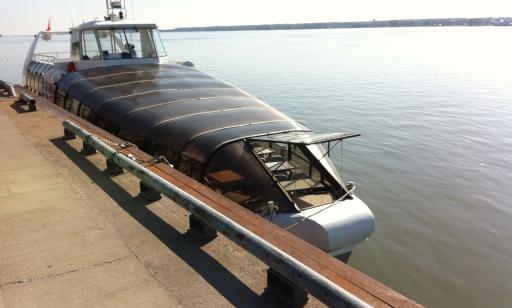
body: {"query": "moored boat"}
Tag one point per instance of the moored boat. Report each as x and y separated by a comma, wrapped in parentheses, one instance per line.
(117, 76)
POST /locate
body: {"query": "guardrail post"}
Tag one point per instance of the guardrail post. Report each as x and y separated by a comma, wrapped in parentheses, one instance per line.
(284, 290)
(113, 168)
(87, 149)
(197, 226)
(29, 101)
(149, 193)
(68, 135)
(8, 87)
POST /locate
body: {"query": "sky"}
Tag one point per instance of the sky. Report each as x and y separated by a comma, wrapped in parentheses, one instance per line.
(31, 16)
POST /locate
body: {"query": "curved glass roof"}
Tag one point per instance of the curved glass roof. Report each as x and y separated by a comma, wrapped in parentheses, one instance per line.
(174, 106)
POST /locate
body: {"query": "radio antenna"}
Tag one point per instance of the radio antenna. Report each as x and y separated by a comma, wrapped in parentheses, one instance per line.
(133, 9)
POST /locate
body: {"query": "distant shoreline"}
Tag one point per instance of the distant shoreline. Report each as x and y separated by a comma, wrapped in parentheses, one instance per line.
(430, 22)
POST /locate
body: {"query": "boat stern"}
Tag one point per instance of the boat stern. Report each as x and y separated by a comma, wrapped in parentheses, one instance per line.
(335, 227)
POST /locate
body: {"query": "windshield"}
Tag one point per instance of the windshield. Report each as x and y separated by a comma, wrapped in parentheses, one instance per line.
(120, 44)
(299, 172)
(160, 49)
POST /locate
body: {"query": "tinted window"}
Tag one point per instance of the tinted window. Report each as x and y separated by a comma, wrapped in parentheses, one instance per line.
(75, 105)
(85, 112)
(190, 167)
(69, 103)
(60, 98)
(236, 173)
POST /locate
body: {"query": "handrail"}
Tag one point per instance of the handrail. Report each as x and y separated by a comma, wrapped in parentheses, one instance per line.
(9, 87)
(290, 268)
(52, 57)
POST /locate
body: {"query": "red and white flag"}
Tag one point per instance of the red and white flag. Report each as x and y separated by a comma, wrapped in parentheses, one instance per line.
(47, 35)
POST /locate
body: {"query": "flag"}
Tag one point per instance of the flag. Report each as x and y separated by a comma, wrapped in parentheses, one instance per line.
(47, 35)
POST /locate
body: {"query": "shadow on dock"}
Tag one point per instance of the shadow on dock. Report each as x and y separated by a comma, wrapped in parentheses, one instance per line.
(187, 246)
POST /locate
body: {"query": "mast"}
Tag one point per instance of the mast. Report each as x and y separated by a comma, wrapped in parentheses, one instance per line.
(116, 10)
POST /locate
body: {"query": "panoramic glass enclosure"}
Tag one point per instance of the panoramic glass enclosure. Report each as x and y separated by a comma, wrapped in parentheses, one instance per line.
(293, 173)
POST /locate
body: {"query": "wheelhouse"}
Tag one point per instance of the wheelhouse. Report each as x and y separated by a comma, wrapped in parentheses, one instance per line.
(115, 41)
(90, 45)
(108, 43)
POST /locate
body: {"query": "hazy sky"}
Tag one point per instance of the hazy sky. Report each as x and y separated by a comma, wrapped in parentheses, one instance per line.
(31, 16)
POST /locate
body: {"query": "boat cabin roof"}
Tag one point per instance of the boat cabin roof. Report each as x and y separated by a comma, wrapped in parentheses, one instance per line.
(173, 106)
(306, 138)
(109, 24)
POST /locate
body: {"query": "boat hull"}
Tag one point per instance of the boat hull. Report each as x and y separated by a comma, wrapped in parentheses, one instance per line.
(335, 228)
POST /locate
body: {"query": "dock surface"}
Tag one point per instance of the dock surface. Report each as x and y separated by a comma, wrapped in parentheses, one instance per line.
(73, 236)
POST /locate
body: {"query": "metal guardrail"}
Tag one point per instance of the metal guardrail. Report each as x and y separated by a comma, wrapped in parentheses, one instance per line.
(9, 87)
(290, 268)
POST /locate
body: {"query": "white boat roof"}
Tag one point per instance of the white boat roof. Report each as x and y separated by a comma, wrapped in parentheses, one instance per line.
(108, 24)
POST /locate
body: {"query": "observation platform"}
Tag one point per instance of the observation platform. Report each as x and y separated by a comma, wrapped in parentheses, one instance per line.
(71, 234)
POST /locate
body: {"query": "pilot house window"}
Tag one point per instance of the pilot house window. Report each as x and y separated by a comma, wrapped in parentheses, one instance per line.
(121, 44)
(159, 45)
(90, 50)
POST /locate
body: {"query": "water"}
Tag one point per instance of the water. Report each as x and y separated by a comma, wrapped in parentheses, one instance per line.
(434, 163)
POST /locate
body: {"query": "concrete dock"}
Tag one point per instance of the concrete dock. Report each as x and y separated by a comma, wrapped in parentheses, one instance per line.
(71, 235)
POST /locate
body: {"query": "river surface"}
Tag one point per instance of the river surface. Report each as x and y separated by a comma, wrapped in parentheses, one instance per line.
(434, 162)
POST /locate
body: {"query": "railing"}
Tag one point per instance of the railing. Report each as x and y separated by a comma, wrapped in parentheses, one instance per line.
(9, 87)
(293, 270)
(52, 57)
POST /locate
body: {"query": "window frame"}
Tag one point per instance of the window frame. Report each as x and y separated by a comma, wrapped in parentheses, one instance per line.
(160, 40)
(113, 31)
(82, 45)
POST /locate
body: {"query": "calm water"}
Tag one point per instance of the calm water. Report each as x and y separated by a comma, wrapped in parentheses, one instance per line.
(434, 162)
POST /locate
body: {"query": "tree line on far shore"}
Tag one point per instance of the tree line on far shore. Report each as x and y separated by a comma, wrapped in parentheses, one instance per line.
(433, 22)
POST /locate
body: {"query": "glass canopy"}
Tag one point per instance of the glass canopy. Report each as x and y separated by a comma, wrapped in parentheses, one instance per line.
(306, 138)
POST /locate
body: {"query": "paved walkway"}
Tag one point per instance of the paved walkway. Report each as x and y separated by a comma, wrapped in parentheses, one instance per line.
(73, 236)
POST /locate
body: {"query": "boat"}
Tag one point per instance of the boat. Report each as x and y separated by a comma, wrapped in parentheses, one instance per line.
(117, 75)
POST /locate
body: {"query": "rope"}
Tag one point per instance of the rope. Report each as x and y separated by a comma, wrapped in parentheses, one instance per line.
(119, 146)
(123, 145)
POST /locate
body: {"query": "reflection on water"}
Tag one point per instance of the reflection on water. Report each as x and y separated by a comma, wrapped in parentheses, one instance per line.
(434, 163)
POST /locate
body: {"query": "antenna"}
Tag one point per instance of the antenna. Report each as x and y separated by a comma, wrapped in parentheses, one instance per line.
(133, 9)
(116, 10)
